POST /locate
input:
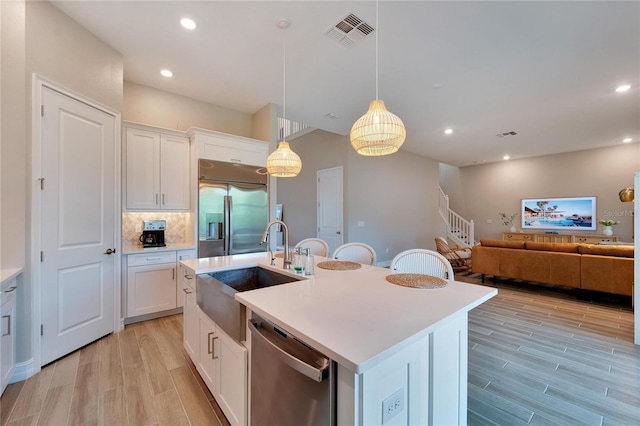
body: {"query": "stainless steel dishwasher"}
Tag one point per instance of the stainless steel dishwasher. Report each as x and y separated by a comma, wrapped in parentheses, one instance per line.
(291, 383)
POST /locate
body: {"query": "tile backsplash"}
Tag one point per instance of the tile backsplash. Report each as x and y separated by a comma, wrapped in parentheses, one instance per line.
(176, 226)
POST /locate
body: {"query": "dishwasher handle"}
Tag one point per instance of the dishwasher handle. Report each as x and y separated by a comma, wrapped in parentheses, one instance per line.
(317, 374)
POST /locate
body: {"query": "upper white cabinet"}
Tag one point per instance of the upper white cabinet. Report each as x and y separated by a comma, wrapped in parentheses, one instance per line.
(211, 145)
(156, 169)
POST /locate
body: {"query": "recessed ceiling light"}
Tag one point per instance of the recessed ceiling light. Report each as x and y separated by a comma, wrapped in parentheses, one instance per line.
(189, 24)
(448, 131)
(166, 73)
(506, 157)
(627, 140)
(623, 88)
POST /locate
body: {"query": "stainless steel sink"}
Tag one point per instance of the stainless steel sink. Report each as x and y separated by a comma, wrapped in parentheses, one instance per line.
(216, 291)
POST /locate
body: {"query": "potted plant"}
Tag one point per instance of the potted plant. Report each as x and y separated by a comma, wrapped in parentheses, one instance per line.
(508, 220)
(608, 230)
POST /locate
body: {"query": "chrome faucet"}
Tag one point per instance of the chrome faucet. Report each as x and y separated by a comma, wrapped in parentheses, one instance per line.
(286, 261)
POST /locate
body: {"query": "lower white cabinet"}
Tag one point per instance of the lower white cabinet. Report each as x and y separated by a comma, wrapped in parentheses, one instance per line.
(190, 318)
(222, 364)
(183, 255)
(154, 282)
(151, 288)
(8, 335)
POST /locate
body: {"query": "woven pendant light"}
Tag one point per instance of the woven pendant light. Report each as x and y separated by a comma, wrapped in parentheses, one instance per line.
(283, 162)
(378, 132)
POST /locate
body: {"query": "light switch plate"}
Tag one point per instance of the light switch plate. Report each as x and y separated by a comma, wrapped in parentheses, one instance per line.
(392, 405)
(361, 223)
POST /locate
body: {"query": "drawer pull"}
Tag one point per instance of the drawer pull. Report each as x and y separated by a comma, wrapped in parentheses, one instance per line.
(187, 276)
(186, 290)
(209, 340)
(213, 348)
(154, 258)
(11, 289)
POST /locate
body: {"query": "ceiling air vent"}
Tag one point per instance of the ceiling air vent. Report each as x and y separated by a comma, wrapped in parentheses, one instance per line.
(349, 30)
(502, 135)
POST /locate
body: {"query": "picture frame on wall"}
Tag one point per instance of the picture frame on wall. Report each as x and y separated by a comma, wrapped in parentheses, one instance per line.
(571, 213)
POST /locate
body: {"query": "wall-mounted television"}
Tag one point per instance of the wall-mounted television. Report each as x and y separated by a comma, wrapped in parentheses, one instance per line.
(570, 214)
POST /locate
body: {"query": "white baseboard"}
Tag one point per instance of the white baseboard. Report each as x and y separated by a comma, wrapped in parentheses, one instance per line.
(23, 371)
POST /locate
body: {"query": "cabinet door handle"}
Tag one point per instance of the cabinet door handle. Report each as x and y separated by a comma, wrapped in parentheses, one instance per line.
(213, 348)
(173, 273)
(209, 340)
(163, 199)
(8, 317)
(156, 202)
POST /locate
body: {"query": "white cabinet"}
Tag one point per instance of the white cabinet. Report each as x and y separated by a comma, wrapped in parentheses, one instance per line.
(222, 364)
(207, 364)
(8, 333)
(182, 255)
(218, 146)
(156, 170)
(151, 283)
(190, 321)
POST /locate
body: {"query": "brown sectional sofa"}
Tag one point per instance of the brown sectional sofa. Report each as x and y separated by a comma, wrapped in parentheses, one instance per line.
(606, 268)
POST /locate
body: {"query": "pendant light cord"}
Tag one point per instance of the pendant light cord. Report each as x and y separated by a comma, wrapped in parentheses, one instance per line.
(284, 85)
(377, 26)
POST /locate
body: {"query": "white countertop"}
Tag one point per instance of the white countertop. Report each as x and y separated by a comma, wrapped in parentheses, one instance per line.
(355, 317)
(169, 247)
(8, 274)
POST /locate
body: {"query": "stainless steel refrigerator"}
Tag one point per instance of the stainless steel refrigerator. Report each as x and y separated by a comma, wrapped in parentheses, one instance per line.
(233, 208)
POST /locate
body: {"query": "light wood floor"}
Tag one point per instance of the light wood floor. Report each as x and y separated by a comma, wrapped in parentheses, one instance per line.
(140, 376)
(545, 357)
(536, 356)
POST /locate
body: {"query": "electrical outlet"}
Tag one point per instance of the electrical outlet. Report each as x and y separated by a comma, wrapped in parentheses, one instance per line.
(489, 221)
(360, 223)
(138, 228)
(392, 405)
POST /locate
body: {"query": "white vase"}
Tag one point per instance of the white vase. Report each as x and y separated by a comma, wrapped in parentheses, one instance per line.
(512, 229)
(608, 231)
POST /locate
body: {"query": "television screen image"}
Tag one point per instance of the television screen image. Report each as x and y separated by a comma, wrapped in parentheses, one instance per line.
(571, 214)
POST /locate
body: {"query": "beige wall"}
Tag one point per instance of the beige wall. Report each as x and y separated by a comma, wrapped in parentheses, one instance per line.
(155, 107)
(13, 125)
(393, 195)
(492, 188)
(40, 39)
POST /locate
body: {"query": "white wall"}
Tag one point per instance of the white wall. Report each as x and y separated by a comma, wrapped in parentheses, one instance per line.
(491, 188)
(395, 196)
(38, 38)
(155, 107)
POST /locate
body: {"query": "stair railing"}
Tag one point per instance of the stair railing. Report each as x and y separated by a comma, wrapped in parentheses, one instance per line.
(459, 230)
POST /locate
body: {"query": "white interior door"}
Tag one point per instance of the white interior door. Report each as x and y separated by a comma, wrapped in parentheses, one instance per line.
(330, 214)
(77, 217)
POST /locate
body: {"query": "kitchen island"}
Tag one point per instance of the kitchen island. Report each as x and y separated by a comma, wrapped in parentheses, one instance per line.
(386, 339)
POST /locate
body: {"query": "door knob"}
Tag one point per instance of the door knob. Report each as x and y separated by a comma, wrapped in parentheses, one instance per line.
(110, 251)
(338, 232)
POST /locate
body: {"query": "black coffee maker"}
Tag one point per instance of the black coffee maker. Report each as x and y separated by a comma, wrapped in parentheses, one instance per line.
(153, 233)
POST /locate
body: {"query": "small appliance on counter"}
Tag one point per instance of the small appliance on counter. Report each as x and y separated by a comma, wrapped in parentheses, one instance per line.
(153, 233)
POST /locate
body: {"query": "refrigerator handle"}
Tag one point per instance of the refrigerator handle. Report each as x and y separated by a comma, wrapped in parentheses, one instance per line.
(228, 200)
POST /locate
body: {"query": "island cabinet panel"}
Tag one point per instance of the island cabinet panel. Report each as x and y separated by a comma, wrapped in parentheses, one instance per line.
(222, 364)
(424, 383)
(190, 314)
(448, 373)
